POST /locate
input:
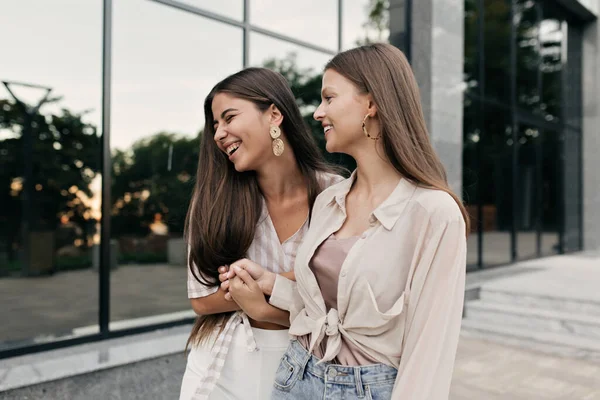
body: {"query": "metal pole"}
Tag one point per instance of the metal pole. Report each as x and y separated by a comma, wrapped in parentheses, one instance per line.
(106, 167)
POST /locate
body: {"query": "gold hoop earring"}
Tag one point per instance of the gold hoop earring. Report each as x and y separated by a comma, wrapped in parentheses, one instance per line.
(277, 144)
(364, 128)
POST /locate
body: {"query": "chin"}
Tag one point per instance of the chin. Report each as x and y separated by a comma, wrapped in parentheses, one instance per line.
(331, 147)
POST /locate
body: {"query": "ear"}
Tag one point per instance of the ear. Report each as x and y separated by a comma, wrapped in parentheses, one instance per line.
(275, 116)
(371, 106)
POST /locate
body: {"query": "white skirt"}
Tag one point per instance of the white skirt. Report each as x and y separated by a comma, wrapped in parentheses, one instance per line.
(245, 375)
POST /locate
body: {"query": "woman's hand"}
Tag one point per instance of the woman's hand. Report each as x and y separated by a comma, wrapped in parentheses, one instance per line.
(247, 294)
(263, 278)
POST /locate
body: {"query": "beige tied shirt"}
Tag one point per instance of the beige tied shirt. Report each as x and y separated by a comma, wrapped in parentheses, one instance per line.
(400, 289)
(266, 250)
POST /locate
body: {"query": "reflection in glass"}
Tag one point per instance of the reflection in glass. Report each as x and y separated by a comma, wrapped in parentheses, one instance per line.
(552, 182)
(528, 190)
(552, 28)
(495, 180)
(471, 143)
(49, 176)
(497, 50)
(572, 190)
(364, 21)
(312, 21)
(229, 8)
(303, 70)
(471, 63)
(159, 86)
(528, 54)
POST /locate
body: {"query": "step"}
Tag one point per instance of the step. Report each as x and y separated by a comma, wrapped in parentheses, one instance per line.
(545, 342)
(535, 319)
(555, 302)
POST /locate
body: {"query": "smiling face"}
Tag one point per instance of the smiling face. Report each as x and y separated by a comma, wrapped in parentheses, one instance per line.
(341, 112)
(242, 131)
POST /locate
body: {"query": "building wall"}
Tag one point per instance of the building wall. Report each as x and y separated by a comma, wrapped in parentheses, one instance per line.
(437, 55)
(591, 136)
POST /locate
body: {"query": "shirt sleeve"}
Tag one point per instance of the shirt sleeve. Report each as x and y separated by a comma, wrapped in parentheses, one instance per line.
(196, 289)
(434, 316)
(286, 297)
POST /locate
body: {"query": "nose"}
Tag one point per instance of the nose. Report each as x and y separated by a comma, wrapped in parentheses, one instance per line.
(220, 134)
(319, 113)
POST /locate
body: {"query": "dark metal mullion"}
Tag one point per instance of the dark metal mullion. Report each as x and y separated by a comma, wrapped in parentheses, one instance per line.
(562, 152)
(105, 256)
(481, 123)
(246, 35)
(243, 24)
(515, 127)
(39, 347)
(340, 25)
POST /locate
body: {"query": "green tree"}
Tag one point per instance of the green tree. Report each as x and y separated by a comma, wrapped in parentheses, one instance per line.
(65, 156)
(154, 177)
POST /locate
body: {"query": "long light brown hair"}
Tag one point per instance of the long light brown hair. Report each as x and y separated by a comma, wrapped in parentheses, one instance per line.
(383, 71)
(226, 205)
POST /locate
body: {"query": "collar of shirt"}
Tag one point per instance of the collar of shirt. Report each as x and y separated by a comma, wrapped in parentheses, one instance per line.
(388, 212)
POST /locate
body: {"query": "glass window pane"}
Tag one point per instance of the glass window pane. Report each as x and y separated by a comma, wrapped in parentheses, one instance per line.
(229, 8)
(497, 50)
(495, 180)
(471, 63)
(572, 190)
(552, 180)
(528, 189)
(312, 21)
(528, 54)
(552, 35)
(471, 148)
(163, 68)
(49, 170)
(572, 89)
(303, 69)
(364, 21)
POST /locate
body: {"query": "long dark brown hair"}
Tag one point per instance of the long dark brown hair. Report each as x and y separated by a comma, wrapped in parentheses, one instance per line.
(226, 205)
(383, 71)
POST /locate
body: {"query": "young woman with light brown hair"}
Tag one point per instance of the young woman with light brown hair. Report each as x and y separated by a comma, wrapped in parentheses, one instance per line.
(259, 173)
(376, 309)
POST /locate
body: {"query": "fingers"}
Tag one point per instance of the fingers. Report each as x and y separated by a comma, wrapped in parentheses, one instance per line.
(245, 277)
(228, 296)
(225, 286)
(223, 273)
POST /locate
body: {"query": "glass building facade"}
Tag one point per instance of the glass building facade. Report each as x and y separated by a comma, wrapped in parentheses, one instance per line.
(522, 130)
(101, 107)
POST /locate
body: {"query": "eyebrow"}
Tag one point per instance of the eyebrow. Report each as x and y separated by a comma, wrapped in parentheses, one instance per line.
(325, 89)
(223, 114)
(226, 111)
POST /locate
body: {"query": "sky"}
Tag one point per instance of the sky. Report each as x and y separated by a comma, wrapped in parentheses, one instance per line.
(164, 60)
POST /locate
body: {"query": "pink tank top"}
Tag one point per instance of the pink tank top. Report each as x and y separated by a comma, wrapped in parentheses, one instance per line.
(326, 264)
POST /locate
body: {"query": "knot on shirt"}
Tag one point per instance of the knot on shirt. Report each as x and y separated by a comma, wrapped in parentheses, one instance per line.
(331, 322)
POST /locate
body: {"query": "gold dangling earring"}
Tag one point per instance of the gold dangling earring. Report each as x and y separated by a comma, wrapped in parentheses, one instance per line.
(364, 128)
(277, 144)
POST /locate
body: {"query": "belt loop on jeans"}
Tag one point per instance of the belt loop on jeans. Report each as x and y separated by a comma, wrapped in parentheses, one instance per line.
(303, 365)
(358, 382)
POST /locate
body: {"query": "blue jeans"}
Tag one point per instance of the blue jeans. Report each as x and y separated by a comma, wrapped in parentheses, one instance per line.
(299, 377)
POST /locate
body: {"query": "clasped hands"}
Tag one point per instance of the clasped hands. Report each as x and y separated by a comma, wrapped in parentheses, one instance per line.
(247, 283)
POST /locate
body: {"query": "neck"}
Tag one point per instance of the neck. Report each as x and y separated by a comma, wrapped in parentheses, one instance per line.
(375, 173)
(281, 178)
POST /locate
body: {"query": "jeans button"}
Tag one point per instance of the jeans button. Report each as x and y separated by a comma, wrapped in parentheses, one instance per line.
(332, 373)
